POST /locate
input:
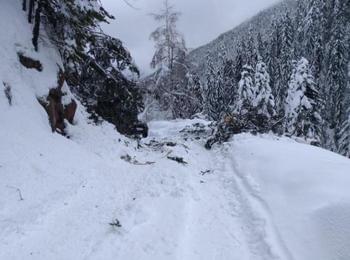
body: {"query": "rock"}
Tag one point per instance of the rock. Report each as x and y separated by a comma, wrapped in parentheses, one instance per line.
(69, 111)
(30, 63)
(55, 110)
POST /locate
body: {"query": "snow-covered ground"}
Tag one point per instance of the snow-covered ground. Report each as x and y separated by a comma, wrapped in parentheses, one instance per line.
(256, 197)
(253, 198)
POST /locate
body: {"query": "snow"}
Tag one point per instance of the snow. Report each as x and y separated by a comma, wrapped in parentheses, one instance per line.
(255, 197)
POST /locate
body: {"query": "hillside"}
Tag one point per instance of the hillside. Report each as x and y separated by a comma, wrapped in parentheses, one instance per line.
(96, 194)
(230, 41)
(294, 59)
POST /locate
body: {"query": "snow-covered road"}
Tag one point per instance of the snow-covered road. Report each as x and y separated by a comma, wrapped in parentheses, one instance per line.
(202, 210)
(99, 196)
(237, 201)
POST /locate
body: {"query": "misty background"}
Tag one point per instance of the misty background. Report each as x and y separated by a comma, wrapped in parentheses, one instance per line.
(201, 22)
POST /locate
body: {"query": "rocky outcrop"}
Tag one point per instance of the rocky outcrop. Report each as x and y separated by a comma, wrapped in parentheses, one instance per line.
(56, 110)
(30, 63)
(69, 111)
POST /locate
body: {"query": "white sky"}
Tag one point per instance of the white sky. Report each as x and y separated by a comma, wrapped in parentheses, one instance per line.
(201, 22)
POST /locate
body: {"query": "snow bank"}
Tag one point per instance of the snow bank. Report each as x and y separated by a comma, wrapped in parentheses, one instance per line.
(305, 191)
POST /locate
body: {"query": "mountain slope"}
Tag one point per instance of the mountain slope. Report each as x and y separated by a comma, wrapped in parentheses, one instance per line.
(301, 48)
(230, 40)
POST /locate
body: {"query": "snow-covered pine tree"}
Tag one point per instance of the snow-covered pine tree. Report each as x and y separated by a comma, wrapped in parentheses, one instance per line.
(227, 84)
(303, 118)
(344, 135)
(298, 24)
(344, 132)
(287, 54)
(214, 92)
(186, 99)
(274, 56)
(238, 67)
(251, 51)
(246, 92)
(194, 101)
(313, 29)
(230, 83)
(264, 100)
(94, 63)
(337, 72)
(260, 46)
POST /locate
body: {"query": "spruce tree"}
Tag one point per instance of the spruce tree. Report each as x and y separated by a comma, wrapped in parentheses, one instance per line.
(303, 118)
(273, 61)
(264, 100)
(246, 91)
(337, 66)
(344, 135)
(215, 104)
(287, 53)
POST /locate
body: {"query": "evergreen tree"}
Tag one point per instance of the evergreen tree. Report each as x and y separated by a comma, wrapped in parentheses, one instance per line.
(230, 83)
(261, 47)
(238, 67)
(303, 104)
(344, 135)
(336, 77)
(273, 62)
(287, 53)
(246, 91)
(251, 53)
(94, 62)
(344, 132)
(264, 100)
(215, 104)
(313, 36)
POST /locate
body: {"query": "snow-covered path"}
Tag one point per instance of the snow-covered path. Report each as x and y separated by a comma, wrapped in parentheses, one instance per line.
(227, 203)
(166, 210)
(202, 210)
(98, 196)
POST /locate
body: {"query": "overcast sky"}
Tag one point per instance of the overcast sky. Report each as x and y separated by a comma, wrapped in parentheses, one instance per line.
(201, 22)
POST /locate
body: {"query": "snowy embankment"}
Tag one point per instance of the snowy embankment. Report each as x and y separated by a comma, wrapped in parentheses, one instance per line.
(98, 195)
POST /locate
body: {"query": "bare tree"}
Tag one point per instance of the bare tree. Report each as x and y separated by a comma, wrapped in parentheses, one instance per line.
(169, 43)
(173, 90)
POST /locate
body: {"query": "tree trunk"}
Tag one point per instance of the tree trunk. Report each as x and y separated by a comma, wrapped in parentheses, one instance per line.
(24, 5)
(30, 11)
(36, 29)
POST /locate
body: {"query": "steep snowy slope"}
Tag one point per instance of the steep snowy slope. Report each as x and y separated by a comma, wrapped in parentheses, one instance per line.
(99, 195)
(229, 41)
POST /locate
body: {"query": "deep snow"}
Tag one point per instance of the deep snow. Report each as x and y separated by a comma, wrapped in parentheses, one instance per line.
(255, 197)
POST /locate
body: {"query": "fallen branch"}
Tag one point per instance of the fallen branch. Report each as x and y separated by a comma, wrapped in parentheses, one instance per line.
(133, 161)
(18, 190)
(177, 159)
(115, 223)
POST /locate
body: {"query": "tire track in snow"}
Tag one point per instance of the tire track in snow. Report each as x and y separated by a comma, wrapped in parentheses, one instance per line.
(263, 235)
